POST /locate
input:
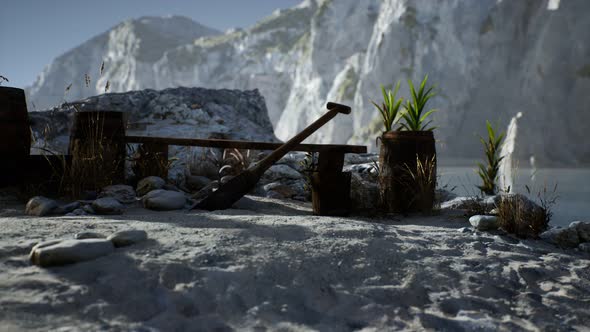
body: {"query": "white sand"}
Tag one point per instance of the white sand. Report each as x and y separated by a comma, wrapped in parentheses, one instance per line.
(272, 265)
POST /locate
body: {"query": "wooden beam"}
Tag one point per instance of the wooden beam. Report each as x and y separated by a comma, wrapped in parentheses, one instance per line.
(243, 145)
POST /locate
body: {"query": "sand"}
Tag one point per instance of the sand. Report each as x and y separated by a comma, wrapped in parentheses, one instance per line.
(271, 265)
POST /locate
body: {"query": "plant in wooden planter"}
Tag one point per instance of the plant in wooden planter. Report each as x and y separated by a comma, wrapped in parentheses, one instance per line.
(407, 158)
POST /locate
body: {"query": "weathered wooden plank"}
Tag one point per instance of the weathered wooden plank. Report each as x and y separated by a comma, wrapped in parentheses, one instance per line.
(251, 145)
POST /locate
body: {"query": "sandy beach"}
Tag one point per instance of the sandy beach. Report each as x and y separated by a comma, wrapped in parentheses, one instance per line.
(272, 265)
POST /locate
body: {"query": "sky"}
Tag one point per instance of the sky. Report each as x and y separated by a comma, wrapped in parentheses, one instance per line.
(34, 32)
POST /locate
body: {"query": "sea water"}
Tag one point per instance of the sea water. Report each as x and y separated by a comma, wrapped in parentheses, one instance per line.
(573, 188)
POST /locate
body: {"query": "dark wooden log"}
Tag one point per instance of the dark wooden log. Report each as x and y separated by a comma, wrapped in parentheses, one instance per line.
(331, 193)
(15, 135)
(244, 145)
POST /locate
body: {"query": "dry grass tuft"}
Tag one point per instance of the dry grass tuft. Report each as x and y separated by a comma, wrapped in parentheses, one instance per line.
(521, 217)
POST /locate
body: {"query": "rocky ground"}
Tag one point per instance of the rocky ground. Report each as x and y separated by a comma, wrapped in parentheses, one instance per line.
(271, 265)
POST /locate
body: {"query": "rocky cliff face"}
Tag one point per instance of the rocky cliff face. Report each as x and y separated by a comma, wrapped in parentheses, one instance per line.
(129, 52)
(490, 59)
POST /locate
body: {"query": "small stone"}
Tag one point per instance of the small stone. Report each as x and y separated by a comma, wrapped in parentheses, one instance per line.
(464, 230)
(67, 208)
(89, 235)
(483, 222)
(164, 200)
(149, 184)
(40, 206)
(123, 193)
(88, 209)
(584, 247)
(126, 238)
(70, 251)
(563, 237)
(583, 229)
(107, 206)
(77, 212)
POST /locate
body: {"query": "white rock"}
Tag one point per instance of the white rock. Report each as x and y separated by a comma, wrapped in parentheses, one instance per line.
(70, 251)
(364, 194)
(483, 222)
(278, 190)
(123, 193)
(107, 206)
(127, 238)
(164, 200)
(67, 208)
(563, 237)
(89, 235)
(585, 247)
(40, 206)
(583, 229)
(148, 184)
(281, 171)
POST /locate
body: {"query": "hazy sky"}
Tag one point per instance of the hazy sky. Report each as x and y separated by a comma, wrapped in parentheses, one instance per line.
(33, 32)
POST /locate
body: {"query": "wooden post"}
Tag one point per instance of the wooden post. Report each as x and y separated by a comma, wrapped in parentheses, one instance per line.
(330, 186)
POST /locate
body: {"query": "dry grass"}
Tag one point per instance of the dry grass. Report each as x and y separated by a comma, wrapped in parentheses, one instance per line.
(420, 183)
(518, 217)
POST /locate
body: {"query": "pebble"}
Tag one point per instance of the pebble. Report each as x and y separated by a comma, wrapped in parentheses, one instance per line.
(127, 238)
(69, 251)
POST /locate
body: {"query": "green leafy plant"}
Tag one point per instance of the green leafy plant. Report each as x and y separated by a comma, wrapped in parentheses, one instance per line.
(390, 108)
(489, 172)
(414, 116)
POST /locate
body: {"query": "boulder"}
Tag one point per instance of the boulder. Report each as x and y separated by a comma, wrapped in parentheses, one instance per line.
(148, 184)
(483, 222)
(583, 229)
(280, 172)
(584, 247)
(460, 203)
(67, 208)
(127, 238)
(563, 237)
(107, 206)
(40, 206)
(88, 209)
(196, 182)
(364, 194)
(164, 200)
(278, 190)
(70, 251)
(123, 193)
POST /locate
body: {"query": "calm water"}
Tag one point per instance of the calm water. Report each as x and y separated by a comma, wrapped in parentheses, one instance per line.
(573, 188)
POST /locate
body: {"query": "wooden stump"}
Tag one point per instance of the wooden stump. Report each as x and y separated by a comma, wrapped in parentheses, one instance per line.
(15, 135)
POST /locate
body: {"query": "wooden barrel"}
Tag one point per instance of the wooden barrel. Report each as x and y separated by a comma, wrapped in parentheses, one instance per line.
(407, 176)
(98, 150)
(15, 135)
(330, 193)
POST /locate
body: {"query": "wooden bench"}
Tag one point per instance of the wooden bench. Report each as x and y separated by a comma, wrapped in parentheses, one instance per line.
(331, 187)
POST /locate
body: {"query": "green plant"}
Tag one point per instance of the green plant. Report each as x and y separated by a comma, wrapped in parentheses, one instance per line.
(414, 109)
(489, 172)
(390, 108)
